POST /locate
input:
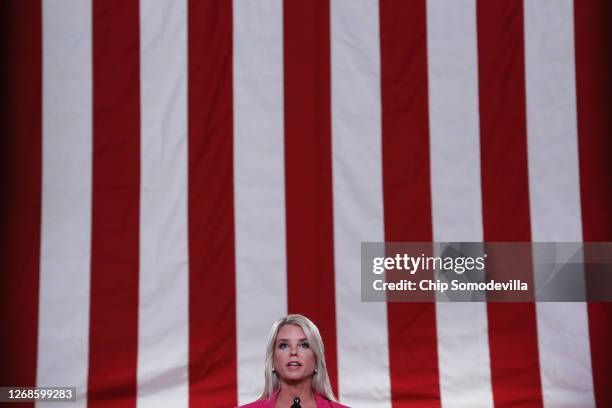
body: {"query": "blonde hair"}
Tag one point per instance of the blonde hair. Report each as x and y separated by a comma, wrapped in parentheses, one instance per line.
(320, 380)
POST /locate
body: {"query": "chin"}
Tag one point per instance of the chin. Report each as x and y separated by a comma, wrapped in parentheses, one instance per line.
(295, 377)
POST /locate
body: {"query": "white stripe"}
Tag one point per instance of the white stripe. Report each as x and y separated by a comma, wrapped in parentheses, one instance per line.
(462, 328)
(163, 324)
(563, 333)
(363, 362)
(63, 339)
(259, 184)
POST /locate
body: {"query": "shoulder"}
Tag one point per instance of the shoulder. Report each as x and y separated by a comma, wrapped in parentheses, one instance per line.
(258, 404)
(321, 401)
(254, 404)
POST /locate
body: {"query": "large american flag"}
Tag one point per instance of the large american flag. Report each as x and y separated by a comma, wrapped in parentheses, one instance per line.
(177, 174)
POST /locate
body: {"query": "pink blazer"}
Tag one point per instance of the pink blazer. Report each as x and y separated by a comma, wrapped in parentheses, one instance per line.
(269, 403)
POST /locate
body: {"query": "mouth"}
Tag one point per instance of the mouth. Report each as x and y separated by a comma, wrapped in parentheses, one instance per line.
(293, 364)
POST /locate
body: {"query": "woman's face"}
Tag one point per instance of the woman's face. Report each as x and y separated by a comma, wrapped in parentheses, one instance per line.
(293, 359)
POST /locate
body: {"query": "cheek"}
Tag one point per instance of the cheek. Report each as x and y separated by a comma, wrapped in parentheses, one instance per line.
(276, 358)
(310, 359)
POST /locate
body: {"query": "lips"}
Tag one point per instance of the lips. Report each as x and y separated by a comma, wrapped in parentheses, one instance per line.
(293, 364)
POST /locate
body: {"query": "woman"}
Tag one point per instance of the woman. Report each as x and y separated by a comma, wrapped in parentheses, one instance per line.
(295, 367)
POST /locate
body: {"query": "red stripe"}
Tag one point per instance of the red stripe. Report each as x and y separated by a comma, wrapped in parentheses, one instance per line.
(593, 37)
(505, 193)
(115, 207)
(308, 181)
(20, 189)
(212, 310)
(413, 353)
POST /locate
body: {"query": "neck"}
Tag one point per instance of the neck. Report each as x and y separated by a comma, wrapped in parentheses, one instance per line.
(302, 389)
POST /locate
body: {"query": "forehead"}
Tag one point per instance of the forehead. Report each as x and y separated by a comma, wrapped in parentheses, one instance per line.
(290, 331)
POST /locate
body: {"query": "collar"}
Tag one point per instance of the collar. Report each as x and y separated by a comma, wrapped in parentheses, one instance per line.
(271, 402)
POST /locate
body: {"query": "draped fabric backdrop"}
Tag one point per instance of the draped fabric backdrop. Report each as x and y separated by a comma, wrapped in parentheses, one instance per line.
(177, 174)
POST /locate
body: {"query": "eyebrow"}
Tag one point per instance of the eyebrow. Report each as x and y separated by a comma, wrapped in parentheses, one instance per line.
(302, 339)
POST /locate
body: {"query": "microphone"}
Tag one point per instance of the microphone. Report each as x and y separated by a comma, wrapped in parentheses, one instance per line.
(296, 403)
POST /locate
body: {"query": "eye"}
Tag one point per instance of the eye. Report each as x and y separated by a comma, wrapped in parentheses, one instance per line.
(282, 346)
(305, 345)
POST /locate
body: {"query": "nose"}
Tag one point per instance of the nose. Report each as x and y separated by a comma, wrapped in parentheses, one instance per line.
(293, 351)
